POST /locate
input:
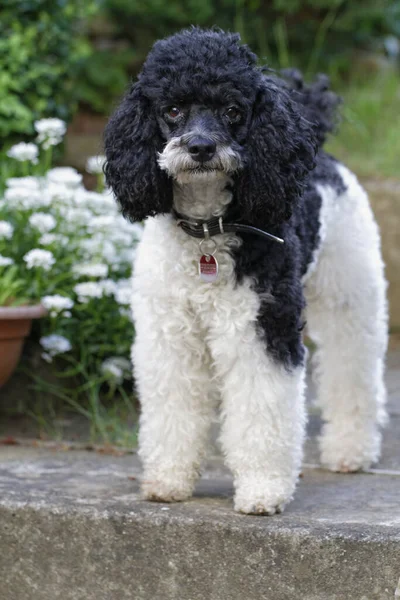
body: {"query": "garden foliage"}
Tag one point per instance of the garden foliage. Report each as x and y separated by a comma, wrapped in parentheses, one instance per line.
(307, 33)
(70, 249)
(42, 48)
(55, 54)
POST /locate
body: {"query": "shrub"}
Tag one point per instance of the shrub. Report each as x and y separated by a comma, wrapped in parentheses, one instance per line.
(309, 33)
(41, 51)
(71, 249)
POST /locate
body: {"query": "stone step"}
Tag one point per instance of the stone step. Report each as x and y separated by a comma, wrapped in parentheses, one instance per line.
(73, 527)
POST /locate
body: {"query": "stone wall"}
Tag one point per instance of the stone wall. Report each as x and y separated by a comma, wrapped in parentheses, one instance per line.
(385, 200)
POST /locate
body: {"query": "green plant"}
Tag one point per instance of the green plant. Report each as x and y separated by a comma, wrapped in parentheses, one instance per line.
(42, 47)
(368, 139)
(103, 78)
(12, 287)
(312, 34)
(70, 249)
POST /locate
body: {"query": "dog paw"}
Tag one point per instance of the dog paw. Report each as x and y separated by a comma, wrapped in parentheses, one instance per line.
(163, 491)
(350, 452)
(262, 498)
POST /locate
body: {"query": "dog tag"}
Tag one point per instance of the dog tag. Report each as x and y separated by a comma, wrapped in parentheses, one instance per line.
(208, 268)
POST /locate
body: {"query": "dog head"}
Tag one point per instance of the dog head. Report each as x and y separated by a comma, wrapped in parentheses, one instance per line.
(202, 109)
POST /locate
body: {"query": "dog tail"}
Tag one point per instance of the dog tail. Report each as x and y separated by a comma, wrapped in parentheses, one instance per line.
(319, 102)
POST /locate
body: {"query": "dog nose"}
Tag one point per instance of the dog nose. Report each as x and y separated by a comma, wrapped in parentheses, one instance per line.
(201, 149)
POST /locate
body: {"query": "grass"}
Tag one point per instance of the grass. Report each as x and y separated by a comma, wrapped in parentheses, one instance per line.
(368, 140)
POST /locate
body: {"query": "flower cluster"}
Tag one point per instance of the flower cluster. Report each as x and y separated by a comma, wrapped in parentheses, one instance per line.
(116, 369)
(39, 258)
(54, 344)
(57, 305)
(73, 250)
(50, 132)
(42, 222)
(23, 152)
(95, 164)
(6, 230)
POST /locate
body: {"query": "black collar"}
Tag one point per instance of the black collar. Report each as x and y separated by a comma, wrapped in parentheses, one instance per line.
(205, 229)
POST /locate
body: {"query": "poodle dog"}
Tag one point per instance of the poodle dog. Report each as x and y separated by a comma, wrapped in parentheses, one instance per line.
(251, 230)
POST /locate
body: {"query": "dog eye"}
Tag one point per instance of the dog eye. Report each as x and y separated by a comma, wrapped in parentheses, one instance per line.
(173, 112)
(233, 114)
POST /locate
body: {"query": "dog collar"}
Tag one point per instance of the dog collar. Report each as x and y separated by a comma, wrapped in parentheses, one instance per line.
(206, 229)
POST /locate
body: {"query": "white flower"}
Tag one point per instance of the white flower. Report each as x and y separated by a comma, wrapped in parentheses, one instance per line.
(6, 230)
(23, 198)
(47, 239)
(57, 303)
(42, 222)
(98, 203)
(137, 230)
(30, 183)
(23, 151)
(97, 247)
(91, 269)
(51, 132)
(75, 216)
(103, 222)
(55, 344)
(127, 255)
(39, 258)
(123, 294)
(60, 193)
(64, 175)
(108, 286)
(91, 245)
(87, 290)
(5, 261)
(125, 312)
(109, 253)
(94, 164)
(113, 372)
(121, 238)
(53, 238)
(117, 368)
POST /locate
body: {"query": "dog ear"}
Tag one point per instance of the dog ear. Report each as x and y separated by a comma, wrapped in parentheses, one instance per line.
(281, 147)
(132, 141)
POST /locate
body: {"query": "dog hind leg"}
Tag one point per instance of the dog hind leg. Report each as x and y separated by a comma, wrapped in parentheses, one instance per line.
(347, 318)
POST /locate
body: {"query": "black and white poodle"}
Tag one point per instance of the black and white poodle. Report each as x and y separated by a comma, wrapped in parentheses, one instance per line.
(251, 230)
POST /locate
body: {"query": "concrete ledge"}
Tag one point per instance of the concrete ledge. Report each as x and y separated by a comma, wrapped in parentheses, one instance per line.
(73, 527)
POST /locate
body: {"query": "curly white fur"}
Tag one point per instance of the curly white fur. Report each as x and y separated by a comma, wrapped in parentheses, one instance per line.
(177, 162)
(347, 318)
(196, 343)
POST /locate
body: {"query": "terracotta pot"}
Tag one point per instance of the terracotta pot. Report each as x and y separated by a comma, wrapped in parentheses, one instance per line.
(15, 325)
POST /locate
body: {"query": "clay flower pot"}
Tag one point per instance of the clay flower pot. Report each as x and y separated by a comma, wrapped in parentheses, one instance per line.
(15, 325)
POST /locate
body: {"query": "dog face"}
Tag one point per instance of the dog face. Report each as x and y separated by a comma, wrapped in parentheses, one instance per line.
(201, 142)
(202, 109)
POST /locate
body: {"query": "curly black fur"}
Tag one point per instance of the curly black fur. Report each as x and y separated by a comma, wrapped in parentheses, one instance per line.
(320, 104)
(132, 141)
(279, 153)
(279, 138)
(277, 270)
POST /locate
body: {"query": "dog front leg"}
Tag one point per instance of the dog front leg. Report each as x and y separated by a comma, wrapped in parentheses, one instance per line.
(172, 376)
(263, 414)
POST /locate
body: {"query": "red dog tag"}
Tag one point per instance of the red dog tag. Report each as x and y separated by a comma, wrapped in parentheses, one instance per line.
(208, 268)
